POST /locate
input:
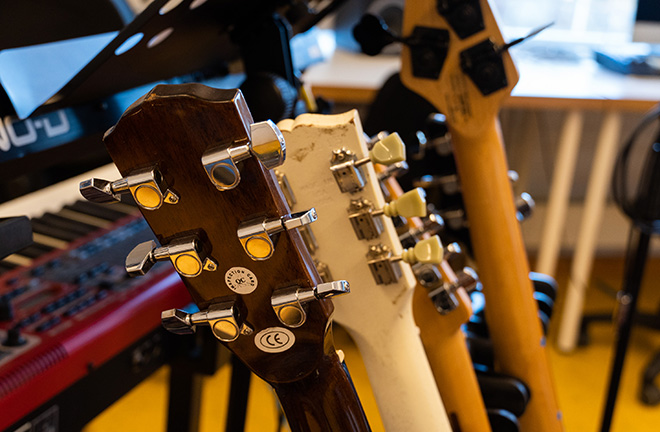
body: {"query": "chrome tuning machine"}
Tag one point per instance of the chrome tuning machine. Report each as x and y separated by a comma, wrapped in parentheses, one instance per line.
(147, 186)
(225, 320)
(362, 214)
(345, 165)
(186, 254)
(255, 234)
(443, 293)
(266, 143)
(384, 267)
(289, 303)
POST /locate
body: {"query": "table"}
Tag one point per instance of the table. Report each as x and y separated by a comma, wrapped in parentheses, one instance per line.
(574, 86)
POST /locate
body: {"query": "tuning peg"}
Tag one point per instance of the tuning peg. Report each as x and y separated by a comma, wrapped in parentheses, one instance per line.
(255, 234)
(147, 187)
(524, 206)
(468, 279)
(454, 218)
(425, 251)
(225, 320)
(449, 184)
(411, 203)
(266, 143)
(484, 65)
(362, 214)
(441, 292)
(373, 35)
(428, 46)
(455, 256)
(395, 170)
(289, 303)
(384, 267)
(432, 224)
(345, 165)
(185, 254)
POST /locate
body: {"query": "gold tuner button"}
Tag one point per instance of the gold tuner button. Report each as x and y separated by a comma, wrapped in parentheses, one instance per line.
(256, 238)
(148, 188)
(224, 318)
(289, 303)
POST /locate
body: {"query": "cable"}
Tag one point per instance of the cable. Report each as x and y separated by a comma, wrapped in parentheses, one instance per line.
(620, 178)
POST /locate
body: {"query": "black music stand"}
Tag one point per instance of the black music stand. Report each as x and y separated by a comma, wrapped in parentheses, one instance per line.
(644, 210)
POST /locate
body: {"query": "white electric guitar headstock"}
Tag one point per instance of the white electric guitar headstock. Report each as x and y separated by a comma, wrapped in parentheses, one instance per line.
(330, 164)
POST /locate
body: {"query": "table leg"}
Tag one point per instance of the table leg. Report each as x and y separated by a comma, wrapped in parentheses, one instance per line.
(560, 190)
(599, 184)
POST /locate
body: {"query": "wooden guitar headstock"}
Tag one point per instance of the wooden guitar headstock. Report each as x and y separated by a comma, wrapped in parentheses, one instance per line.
(454, 57)
(198, 166)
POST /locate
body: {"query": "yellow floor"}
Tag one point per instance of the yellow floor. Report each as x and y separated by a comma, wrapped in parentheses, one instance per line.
(580, 377)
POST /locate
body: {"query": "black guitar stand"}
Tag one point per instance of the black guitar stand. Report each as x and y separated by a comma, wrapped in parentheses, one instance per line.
(644, 212)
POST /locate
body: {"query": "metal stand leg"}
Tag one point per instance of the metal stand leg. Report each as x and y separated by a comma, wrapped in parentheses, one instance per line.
(638, 247)
(185, 399)
(238, 396)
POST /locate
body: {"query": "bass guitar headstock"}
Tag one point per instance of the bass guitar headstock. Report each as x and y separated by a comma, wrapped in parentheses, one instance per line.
(454, 55)
(199, 168)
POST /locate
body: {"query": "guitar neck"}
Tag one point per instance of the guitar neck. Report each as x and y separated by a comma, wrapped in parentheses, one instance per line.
(512, 318)
(324, 400)
(445, 346)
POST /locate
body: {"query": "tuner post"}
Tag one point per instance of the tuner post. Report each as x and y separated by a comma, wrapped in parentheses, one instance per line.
(266, 143)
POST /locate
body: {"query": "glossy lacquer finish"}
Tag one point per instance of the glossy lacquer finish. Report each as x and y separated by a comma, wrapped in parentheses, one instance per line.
(494, 230)
(170, 128)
